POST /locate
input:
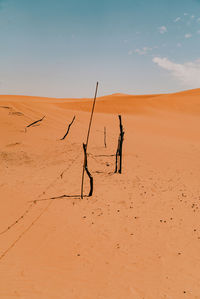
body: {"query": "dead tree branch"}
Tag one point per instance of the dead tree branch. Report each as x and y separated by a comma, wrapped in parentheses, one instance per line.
(87, 171)
(119, 147)
(117, 155)
(35, 122)
(68, 128)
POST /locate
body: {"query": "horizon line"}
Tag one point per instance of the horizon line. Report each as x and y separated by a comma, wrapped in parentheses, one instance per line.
(107, 95)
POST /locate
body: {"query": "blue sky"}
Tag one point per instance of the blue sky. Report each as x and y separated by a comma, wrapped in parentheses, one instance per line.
(61, 48)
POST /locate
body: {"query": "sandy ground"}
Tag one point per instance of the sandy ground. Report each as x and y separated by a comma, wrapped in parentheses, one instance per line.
(138, 236)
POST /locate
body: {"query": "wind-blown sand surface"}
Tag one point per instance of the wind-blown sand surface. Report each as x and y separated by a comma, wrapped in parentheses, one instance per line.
(138, 236)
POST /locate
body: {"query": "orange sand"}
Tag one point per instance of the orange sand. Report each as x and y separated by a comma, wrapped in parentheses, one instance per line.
(138, 236)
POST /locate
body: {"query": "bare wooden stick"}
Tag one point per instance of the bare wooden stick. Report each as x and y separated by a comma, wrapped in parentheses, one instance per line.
(105, 137)
(117, 155)
(35, 122)
(88, 135)
(68, 128)
(87, 171)
(120, 144)
(119, 147)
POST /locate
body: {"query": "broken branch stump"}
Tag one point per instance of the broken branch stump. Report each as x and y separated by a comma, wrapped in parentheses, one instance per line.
(119, 147)
(87, 171)
(117, 155)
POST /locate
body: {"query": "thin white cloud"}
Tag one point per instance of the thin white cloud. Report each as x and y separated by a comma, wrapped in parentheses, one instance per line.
(192, 17)
(143, 51)
(162, 29)
(188, 35)
(185, 14)
(179, 45)
(198, 31)
(188, 73)
(177, 19)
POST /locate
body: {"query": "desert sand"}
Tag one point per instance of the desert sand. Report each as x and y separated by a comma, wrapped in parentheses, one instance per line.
(138, 236)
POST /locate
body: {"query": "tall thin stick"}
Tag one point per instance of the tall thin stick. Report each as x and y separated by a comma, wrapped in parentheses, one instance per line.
(88, 135)
(121, 142)
(105, 137)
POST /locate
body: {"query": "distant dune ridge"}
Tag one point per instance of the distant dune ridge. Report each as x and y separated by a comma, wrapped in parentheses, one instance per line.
(185, 101)
(138, 236)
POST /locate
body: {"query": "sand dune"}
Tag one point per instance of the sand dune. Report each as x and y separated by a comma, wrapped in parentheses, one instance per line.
(138, 236)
